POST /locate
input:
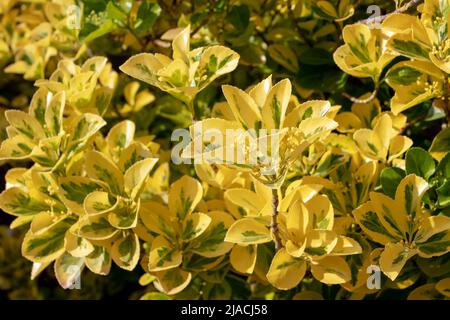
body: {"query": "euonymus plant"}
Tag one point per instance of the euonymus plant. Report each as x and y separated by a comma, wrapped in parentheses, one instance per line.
(225, 149)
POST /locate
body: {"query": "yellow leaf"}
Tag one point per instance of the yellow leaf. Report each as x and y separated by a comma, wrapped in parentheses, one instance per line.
(172, 281)
(99, 167)
(348, 122)
(181, 44)
(68, 270)
(214, 62)
(390, 213)
(398, 146)
(135, 152)
(144, 67)
(443, 286)
(409, 194)
(260, 91)
(136, 176)
(157, 218)
(286, 272)
(99, 261)
(346, 246)
(243, 107)
(316, 128)
(331, 270)
(163, 255)
(246, 199)
(320, 242)
(393, 259)
(96, 227)
(371, 223)
(248, 231)
(184, 195)
(99, 202)
(298, 191)
(321, 212)
(125, 251)
(211, 243)
(274, 109)
(297, 222)
(120, 137)
(194, 225)
(25, 124)
(243, 258)
(78, 247)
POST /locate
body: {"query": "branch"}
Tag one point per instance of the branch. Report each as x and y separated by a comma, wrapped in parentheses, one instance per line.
(383, 17)
(443, 102)
(358, 100)
(274, 223)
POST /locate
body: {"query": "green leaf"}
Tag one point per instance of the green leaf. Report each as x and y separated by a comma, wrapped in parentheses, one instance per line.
(147, 15)
(316, 57)
(419, 162)
(443, 193)
(239, 17)
(390, 179)
(443, 168)
(403, 75)
(322, 78)
(441, 143)
(116, 14)
(105, 28)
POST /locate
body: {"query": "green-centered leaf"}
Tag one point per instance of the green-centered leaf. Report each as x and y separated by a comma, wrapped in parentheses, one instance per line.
(248, 231)
(163, 255)
(48, 245)
(68, 270)
(99, 167)
(99, 261)
(286, 271)
(125, 251)
(136, 176)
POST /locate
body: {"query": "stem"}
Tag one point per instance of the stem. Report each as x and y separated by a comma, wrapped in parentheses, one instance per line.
(446, 105)
(357, 100)
(274, 223)
(380, 19)
(444, 102)
(191, 107)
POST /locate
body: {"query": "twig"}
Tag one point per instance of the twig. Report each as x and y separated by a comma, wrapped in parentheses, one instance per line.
(381, 18)
(358, 100)
(446, 100)
(443, 102)
(274, 223)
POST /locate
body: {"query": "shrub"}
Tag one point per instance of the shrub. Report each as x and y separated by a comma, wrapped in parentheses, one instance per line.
(227, 149)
